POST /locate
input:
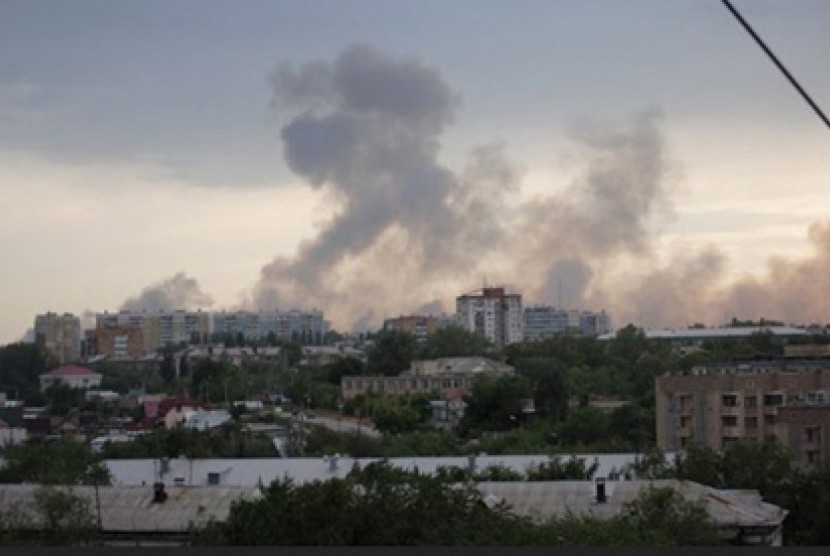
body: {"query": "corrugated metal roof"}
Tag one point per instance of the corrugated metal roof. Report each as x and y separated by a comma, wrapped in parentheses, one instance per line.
(252, 471)
(544, 500)
(131, 508)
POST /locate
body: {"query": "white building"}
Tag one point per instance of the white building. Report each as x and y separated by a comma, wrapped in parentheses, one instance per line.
(72, 376)
(492, 312)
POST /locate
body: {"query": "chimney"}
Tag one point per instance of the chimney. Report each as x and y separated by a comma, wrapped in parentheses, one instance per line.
(471, 463)
(333, 463)
(159, 496)
(600, 491)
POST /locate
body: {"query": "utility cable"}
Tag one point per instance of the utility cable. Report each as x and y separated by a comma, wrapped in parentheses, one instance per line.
(777, 62)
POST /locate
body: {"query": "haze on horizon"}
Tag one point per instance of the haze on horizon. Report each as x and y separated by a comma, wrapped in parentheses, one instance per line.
(371, 159)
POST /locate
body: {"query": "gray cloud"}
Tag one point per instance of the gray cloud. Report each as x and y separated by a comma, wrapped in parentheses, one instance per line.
(366, 128)
(177, 292)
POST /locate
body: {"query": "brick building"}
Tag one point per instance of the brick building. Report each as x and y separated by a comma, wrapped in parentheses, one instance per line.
(719, 404)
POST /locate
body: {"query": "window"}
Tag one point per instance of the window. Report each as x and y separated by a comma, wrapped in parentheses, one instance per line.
(214, 478)
(773, 399)
(812, 434)
(685, 422)
(751, 422)
(729, 421)
(729, 400)
(769, 420)
(751, 401)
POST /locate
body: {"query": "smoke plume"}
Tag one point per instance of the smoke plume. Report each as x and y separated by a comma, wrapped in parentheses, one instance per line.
(177, 292)
(366, 129)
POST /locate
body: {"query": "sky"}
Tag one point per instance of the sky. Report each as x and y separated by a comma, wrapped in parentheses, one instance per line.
(374, 158)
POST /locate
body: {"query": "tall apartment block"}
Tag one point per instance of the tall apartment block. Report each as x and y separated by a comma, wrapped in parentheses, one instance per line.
(718, 404)
(60, 335)
(492, 312)
(296, 325)
(544, 321)
(159, 328)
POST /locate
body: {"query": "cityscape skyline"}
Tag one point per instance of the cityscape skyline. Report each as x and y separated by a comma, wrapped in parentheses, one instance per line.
(203, 155)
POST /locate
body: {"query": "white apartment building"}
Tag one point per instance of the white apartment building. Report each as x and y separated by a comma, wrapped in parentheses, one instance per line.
(492, 312)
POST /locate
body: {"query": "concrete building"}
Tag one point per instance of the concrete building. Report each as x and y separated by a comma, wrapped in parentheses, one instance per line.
(741, 516)
(422, 327)
(444, 377)
(593, 323)
(718, 404)
(307, 327)
(72, 376)
(159, 328)
(696, 336)
(60, 335)
(119, 343)
(492, 312)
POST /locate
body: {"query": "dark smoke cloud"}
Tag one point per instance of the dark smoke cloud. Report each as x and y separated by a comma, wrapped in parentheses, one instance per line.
(366, 129)
(177, 292)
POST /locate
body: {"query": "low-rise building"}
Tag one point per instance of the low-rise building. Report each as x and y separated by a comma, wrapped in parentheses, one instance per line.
(440, 376)
(73, 376)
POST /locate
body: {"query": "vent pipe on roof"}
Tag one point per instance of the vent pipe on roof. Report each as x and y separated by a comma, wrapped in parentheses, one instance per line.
(159, 495)
(602, 498)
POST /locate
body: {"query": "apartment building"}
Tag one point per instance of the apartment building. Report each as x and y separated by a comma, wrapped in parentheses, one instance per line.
(60, 335)
(447, 376)
(543, 321)
(493, 313)
(159, 328)
(718, 404)
(307, 327)
(119, 343)
(422, 327)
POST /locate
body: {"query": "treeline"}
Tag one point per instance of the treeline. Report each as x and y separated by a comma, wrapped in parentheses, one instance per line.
(384, 506)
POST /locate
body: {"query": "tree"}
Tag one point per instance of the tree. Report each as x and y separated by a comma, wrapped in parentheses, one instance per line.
(496, 403)
(454, 341)
(391, 353)
(21, 365)
(375, 506)
(663, 516)
(58, 517)
(394, 415)
(63, 462)
(555, 469)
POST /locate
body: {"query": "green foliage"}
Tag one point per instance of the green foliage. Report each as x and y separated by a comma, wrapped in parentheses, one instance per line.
(384, 506)
(226, 441)
(662, 516)
(393, 415)
(63, 462)
(496, 403)
(58, 517)
(391, 353)
(454, 341)
(21, 365)
(376, 506)
(556, 469)
(344, 366)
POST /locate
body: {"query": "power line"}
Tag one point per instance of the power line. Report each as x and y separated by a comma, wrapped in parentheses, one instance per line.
(777, 62)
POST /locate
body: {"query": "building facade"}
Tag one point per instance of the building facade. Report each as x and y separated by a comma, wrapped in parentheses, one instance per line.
(422, 327)
(119, 343)
(444, 377)
(492, 312)
(159, 328)
(60, 335)
(72, 376)
(307, 327)
(719, 404)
